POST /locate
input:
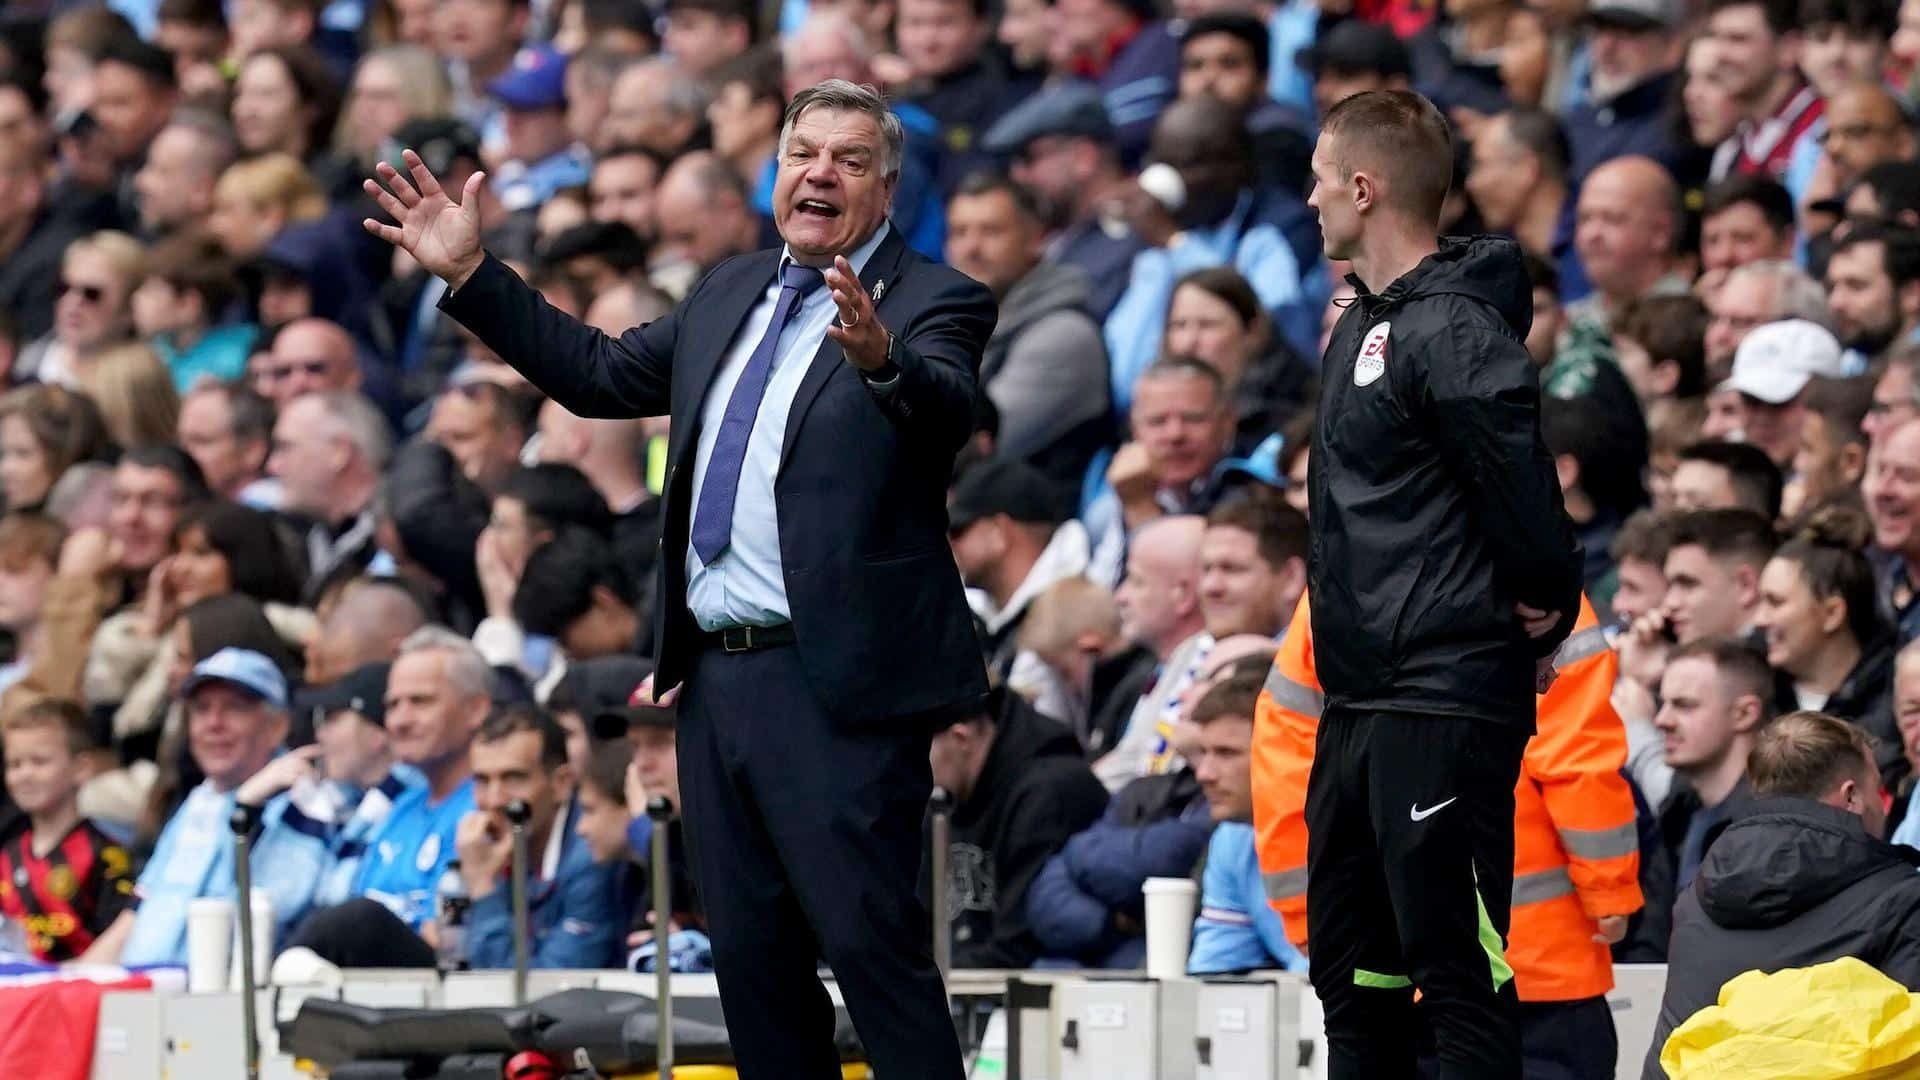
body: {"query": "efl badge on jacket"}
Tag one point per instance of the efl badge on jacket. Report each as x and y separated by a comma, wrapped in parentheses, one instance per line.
(1373, 356)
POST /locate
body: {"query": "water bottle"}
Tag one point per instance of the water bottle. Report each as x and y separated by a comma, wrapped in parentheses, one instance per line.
(452, 904)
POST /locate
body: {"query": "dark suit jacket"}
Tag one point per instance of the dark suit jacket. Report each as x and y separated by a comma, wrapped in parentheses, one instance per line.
(881, 620)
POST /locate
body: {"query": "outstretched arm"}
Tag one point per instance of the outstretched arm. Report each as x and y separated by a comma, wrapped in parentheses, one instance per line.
(586, 371)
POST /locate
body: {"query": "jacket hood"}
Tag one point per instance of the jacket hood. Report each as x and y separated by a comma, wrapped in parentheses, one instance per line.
(1048, 288)
(1785, 857)
(1486, 268)
(317, 253)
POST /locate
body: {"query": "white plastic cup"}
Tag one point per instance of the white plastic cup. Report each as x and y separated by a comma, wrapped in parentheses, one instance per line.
(209, 944)
(1170, 904)
(262, 943)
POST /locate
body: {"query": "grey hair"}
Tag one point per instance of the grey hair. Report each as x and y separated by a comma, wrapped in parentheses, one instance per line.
(355, 418)
(1796, 295)
(466, 670)
(843, 96)
(685, 94)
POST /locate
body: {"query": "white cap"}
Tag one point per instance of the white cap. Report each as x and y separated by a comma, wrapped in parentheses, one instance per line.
(1775, 360)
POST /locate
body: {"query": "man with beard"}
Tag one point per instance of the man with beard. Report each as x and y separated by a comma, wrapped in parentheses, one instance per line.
(1873, 287)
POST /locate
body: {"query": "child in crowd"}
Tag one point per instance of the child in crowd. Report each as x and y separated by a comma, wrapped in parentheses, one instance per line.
(62, 880)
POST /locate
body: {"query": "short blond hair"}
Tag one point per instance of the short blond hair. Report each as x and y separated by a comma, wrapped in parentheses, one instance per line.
(1069, 609)
(122, 252)
(277, 180)
(1807, 754)
(55, 714)
(134, 390)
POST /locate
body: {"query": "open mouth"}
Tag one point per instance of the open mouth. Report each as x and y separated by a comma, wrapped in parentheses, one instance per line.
(816, 208)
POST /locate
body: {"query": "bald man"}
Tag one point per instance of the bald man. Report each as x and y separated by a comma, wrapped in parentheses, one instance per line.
(626, 305)
(1865, 127)
(1626, 225)
(705, 213)
(1159, 601)
(308, 355)
(366, 624)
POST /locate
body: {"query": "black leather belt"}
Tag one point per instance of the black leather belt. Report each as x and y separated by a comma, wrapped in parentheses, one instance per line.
(739, 639)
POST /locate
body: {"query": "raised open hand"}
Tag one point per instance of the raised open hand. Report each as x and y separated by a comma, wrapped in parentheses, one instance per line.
(441, 235)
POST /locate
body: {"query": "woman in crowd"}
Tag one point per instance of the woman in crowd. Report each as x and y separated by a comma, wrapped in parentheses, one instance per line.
(1215, 318)
(254, 199)
(285, 102)
(392, 85)
(219, 549)
(1824, 632)
(135, 393)
(44, 431)
(94, 310)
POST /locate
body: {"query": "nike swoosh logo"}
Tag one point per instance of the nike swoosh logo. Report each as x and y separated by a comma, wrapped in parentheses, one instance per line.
(1418, 814)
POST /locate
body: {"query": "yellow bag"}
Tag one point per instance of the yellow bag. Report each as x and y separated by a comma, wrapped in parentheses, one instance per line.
(1841, 1019)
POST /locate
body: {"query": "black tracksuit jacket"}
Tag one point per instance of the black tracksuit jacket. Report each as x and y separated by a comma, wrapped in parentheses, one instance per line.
(1435, 504)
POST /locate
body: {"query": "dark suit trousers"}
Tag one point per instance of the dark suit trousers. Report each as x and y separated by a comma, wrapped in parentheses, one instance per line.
(805, 841)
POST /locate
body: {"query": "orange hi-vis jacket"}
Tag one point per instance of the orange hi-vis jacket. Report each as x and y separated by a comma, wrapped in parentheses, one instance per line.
(1576, 852)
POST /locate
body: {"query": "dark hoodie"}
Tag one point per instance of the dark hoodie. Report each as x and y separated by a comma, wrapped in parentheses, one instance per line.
(1791, 884)
(1033, 794)
(1436, 507)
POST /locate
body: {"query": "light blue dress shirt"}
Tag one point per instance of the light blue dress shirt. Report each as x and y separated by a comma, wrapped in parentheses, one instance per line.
(745, 584)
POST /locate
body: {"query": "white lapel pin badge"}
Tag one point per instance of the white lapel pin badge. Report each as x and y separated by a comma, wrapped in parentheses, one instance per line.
(879, 289)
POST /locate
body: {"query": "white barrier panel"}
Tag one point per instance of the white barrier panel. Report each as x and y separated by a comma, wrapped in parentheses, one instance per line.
(1637, 989)
(1126, 1029)
(126, 1043)
(1248, 1029)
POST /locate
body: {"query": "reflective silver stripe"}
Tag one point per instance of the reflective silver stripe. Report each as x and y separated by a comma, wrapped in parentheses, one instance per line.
(1285, 884)
(1292, 695)
(1589, 642)
(1601, 843)
(1541, 885)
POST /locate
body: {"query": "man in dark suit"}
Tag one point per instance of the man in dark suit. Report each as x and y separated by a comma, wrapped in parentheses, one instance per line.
(808, 601)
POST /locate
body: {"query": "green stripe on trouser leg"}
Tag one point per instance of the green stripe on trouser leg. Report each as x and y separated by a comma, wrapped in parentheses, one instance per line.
(1363, 977)
(1490, 941)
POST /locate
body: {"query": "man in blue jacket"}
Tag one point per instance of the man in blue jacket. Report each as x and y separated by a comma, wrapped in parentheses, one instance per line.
(573, 904)
(1237, 929)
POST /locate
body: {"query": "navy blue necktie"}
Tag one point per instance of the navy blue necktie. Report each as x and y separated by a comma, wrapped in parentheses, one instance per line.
(713, 516)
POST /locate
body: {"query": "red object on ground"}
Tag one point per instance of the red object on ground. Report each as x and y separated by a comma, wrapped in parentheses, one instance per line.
(531, 1065)
(46, 1029)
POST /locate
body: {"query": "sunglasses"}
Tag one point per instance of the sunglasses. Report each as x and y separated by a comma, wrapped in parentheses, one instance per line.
(92, 294)
(275, 372)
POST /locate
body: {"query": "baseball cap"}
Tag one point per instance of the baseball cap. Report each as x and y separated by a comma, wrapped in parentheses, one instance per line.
(1775, 361)
(992, 488)
(1075, 109)
(1633, 14)
(244, 668)
(537, 79)
(600, 687)
(639, 710)
(362, 690)
(1353, 46)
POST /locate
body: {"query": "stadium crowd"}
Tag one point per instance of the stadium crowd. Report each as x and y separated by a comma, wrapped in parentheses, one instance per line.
(277, 531)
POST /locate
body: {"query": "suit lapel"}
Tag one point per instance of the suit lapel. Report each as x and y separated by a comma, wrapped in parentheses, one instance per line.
(729, 303)
(884, 265)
